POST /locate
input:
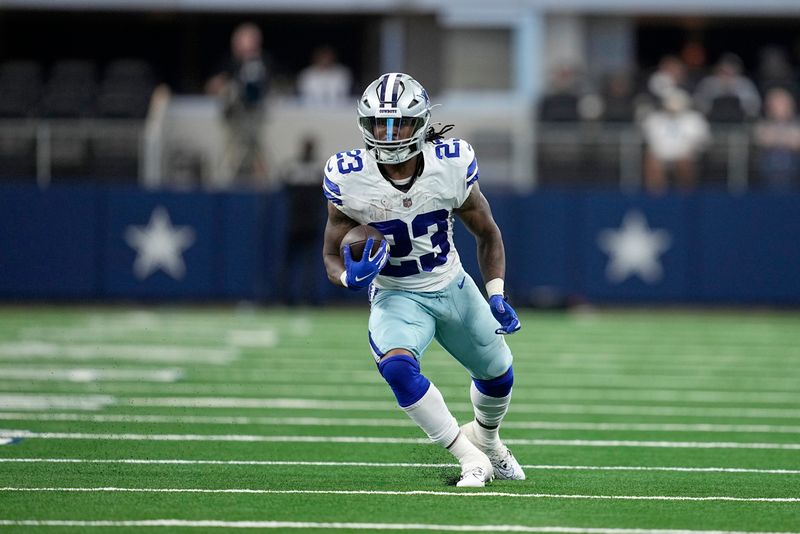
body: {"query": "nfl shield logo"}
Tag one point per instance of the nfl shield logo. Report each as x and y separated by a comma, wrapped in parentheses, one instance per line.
(406, 202)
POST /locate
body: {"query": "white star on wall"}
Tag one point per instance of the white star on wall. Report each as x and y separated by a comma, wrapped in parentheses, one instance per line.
(159, 245)
(634, 249)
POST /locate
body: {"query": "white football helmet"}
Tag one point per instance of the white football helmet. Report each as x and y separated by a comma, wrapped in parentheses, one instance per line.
(393, 115)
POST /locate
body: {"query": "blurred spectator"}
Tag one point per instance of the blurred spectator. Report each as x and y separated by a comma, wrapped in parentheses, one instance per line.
(243, 85)
(619, 100)
(325, 81)
(674, 138)
(301, 268)
(560, 101)
(777, 139)
(693, 55)
(669, 76)
(775, 70)
(727, 95)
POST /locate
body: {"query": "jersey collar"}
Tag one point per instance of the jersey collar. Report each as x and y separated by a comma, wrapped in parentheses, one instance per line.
(417, 173)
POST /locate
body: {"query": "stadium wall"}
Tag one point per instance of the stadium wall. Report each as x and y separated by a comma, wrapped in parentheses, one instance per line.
(86, 242)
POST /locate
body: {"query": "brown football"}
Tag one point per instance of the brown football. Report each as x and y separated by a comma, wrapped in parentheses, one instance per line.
(357, 239)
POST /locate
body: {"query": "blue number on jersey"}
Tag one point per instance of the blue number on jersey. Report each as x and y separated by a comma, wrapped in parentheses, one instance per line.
(420, 226)
(402, 246)
(400, 249)
(450, 149)
(353, 164)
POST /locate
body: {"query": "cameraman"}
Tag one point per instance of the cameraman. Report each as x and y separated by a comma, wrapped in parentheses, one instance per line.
(242, 86)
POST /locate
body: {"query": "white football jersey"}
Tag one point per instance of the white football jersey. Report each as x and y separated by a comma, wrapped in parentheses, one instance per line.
(417, 224)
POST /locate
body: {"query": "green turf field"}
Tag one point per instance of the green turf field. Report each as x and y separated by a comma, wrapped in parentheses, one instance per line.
(212, 420)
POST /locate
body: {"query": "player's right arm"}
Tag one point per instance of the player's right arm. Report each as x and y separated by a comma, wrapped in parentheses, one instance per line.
(335, 229)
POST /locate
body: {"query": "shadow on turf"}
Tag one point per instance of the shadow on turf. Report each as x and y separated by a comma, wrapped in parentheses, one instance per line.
(428, 455)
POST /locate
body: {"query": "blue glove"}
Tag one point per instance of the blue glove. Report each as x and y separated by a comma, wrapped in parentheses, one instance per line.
(359, 274)
(505, 315)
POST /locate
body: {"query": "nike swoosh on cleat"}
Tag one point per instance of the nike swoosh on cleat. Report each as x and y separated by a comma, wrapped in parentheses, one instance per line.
(461, 283)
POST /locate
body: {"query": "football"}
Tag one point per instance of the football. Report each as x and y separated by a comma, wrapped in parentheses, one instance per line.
(357, 239)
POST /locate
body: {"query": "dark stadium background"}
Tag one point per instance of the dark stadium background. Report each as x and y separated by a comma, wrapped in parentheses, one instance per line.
(731, 243)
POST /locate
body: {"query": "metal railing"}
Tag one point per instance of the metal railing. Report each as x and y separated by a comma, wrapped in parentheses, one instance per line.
(612, 154)
(586, 154)
(50, 149)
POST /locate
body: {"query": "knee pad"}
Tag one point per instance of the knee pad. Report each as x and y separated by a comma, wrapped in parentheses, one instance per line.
(496, 387)
(402, 374)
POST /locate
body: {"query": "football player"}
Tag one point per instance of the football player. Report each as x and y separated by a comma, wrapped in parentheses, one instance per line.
(408, 183)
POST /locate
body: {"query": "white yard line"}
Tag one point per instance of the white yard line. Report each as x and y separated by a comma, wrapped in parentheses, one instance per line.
(55, 402)
(375, 388)
(541, 371)
(627, 352)
(31, 401)
(399, 422)
(267, 463)
(88, 374)
(183, 523)
(390, 440)
(370, 392)
(210, 523)
(211, 337)
(518, 407)
(33, 350)
(261, 338)
(408, 493)
(208, 420)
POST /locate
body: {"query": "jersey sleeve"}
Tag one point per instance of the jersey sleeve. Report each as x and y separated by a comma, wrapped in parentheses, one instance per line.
(466, 168)
(331, 183)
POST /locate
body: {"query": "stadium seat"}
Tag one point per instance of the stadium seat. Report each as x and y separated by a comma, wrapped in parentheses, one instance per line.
(126, 89)
(20, 88)
(70, 90)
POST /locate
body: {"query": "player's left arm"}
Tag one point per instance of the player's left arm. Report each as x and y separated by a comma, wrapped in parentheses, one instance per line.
(476, 215)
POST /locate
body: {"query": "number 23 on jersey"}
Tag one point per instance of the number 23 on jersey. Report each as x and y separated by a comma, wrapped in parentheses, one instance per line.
(433, 224)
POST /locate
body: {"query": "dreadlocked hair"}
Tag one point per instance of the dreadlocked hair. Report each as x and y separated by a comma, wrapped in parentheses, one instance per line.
(433, 135)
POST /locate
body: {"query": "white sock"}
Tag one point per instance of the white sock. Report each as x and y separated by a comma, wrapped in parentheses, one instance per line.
(465, 452)
(433, 417)
(489, 411)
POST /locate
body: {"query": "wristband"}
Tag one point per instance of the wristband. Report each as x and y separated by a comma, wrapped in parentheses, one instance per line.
(494, 287)
(343, 278)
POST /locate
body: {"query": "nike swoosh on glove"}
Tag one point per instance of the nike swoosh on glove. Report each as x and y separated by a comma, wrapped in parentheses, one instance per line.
(359, 274)
(505, 315)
